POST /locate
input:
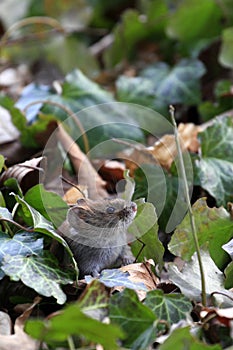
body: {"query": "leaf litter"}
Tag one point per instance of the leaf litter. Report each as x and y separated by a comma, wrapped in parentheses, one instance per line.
(154, 302)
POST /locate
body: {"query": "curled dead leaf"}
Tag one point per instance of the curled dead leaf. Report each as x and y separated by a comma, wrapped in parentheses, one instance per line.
(27, 173)
(73, 194)
(141, 273)
(112, 171)
(164, 150)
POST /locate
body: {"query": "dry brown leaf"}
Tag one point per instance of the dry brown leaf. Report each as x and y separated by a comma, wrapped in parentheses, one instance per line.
(164, 150)
(26, 173)
(87, 175)
(20, 340)
(141, 273)
(112, 171)
(73, 194)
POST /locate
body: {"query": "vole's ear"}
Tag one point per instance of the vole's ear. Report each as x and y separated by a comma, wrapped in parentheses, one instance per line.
(82, 203)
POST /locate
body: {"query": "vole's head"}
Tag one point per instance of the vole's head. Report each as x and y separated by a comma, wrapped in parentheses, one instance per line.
(102, 213)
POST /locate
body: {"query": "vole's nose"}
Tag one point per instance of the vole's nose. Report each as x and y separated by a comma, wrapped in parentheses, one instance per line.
(133, 206)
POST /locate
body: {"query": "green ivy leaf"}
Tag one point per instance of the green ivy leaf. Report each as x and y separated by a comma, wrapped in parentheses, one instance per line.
(72, 321)
(145, 228)
(27, 132)
(2, 200)
(223, 101)
(94, 300)
(229, 276)
(214, 166)
(159, 85)
(127, 33)
(129, 313)
(135, 89)
(41, 273)
(169, 307)
(164, 190)
(134, 27)
(40, 224)
(226, 53)
(180, 25)
(2, 162)
(105, 120)
(49, 204)
(214, 228)
(179, 84)
(23, 243)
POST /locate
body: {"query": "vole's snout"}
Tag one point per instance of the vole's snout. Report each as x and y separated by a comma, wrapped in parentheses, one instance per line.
(134, 206)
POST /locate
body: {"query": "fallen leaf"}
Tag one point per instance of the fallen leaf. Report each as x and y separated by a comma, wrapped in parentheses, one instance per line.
(164, 150)
(87, 175)
(217, 323)
(27, 173)
(8, 131)
(142, 272)
(115, 278)
(73, 194)
(20, 340)
(112, 171)
(189, 280)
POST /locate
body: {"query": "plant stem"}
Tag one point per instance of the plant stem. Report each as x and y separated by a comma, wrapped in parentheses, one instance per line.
(191, 216)
(7, 227)
(70, 343)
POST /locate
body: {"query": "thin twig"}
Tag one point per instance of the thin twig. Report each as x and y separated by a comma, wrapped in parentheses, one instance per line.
(191, 216)
(30, 20)
(221, 293)
(17, 224)
(141, 249)
(73, 185)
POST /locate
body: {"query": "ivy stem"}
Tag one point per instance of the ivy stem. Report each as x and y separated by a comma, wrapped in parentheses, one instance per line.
(191, 216)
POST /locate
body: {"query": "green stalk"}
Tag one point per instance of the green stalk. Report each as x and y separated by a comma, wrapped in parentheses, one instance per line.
(191, 216)
(70, 343)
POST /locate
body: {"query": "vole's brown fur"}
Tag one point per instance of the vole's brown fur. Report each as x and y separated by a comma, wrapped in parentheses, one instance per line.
(97, 234)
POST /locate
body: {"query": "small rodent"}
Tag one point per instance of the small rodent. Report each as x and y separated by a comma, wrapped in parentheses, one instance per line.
(97, 234)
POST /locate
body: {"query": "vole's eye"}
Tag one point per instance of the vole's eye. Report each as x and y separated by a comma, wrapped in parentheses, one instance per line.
(110, 210)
